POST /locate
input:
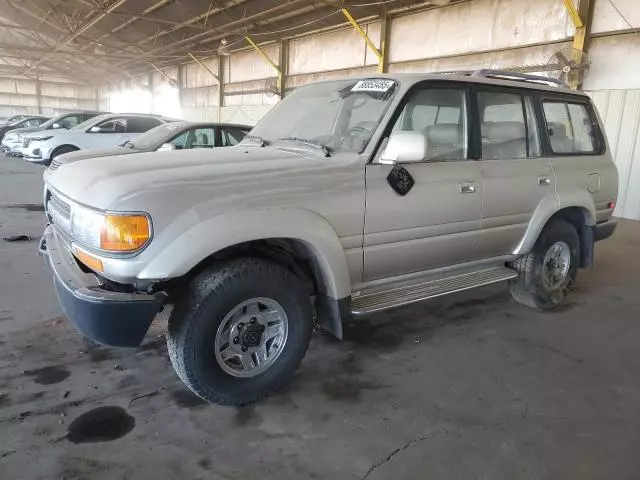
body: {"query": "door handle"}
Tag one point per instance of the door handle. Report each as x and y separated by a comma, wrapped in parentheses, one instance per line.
(468, 188)
(543, 181)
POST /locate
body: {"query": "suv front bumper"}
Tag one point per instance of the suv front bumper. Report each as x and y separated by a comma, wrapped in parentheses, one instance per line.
(109, 318)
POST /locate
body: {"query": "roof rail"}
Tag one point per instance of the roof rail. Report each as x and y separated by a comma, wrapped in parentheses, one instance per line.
(524, 77)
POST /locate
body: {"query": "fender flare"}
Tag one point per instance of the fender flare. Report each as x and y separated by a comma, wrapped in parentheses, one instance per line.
(212, 235)
(548, 207)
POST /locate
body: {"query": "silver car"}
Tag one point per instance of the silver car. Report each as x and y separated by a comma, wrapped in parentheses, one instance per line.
(168, 136)
(350, 197)
(108, 130)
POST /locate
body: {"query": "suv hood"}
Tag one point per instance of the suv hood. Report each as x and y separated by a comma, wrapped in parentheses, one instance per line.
(93, 153)
(30, 129)
(105, 180)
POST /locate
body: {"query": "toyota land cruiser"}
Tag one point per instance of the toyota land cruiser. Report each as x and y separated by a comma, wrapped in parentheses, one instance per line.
(349, 197)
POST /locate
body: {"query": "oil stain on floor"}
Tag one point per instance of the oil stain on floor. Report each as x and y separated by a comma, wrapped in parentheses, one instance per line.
(102, 424)
(48, 375)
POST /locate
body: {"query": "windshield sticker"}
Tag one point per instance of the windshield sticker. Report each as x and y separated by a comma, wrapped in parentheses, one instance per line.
(373, 86)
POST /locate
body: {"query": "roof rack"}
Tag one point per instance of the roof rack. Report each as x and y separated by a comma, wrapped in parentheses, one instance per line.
(506, 75)
(523, 77)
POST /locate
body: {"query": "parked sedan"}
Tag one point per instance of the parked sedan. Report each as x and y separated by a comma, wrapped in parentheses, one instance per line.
(169, 136)
(32, 121)
(14, 140)
(107, 130)
(7, 121)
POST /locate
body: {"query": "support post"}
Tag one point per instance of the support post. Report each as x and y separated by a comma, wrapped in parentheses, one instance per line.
(39, 94)
(385, 34)
(283, 61)
(221, 63)
(366, 38)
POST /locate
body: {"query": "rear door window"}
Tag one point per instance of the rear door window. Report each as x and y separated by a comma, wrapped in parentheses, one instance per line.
(232, 136)
(203, 138)
(141, 124)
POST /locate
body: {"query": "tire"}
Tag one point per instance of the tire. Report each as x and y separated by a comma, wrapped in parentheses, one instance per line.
(532, 286)
(199, 315)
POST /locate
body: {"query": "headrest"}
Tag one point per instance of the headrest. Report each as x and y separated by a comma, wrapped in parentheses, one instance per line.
(557, 130)
(443, 134)
(503, 131)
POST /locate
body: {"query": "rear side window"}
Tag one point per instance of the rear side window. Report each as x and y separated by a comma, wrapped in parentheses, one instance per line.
(508, 127)
(232, 136)
(570, 127)
(141, 124)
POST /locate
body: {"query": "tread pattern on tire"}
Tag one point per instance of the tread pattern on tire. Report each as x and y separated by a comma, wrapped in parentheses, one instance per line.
(215, 281)
(523, 288)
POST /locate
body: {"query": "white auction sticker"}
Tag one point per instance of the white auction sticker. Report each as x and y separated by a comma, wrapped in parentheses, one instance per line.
(374, 85)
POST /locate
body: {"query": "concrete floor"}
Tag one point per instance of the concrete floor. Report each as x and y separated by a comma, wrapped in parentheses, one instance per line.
(470, 386)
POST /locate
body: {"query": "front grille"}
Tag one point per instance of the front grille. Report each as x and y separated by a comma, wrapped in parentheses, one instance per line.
(55, 163)
(25, 142)
(59, 212)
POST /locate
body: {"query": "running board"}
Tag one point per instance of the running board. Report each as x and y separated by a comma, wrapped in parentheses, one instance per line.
(396, 296)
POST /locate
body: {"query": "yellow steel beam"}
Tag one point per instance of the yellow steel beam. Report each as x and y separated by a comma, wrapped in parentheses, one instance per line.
(205, 67)
(366, 38)
(270, 62)
(171, 80)
(263, 54)
(573, 14)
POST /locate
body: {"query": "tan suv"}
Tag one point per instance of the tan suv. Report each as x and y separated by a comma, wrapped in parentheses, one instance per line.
(349, 197)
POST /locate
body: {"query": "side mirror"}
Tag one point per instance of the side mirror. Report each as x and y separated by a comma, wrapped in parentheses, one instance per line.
(404, 147)
(95, 130)
(166, 146)
(56, 125)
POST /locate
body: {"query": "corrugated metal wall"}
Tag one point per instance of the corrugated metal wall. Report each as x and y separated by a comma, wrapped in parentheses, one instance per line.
(620, 112)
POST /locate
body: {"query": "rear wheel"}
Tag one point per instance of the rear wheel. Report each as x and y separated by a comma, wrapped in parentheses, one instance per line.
(547, 272)
(240, 332)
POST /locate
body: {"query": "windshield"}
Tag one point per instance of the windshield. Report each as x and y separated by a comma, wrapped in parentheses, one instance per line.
(340, 115)
(91, 121)
(156, 136)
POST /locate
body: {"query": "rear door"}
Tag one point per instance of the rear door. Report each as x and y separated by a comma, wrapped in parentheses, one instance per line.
(516, 175)
(577, 150)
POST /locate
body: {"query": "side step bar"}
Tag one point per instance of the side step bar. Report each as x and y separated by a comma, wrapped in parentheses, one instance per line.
(396, 296)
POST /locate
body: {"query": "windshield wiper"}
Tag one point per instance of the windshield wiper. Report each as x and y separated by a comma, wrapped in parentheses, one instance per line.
(311, 143)
(128, 144)
(254, 139)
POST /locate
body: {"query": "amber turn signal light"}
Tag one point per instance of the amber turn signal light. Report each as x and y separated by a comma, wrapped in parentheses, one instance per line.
(124, 233)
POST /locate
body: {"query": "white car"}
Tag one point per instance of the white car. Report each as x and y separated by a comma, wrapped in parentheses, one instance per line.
(107, 130)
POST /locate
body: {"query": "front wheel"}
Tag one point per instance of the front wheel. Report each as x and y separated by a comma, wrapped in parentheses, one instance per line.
(240, 332)
(547, 272)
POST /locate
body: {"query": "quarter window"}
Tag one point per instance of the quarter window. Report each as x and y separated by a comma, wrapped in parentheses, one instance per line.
(141, 124)
(232, 136)
(440, 114)
(569, 127)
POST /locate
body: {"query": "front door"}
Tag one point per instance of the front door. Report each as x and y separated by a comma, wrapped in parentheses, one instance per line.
(436, 223)
(516, 176)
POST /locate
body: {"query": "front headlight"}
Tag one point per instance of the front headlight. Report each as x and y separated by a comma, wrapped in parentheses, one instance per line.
(40, 139)
(10, 137)
(108, 231)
